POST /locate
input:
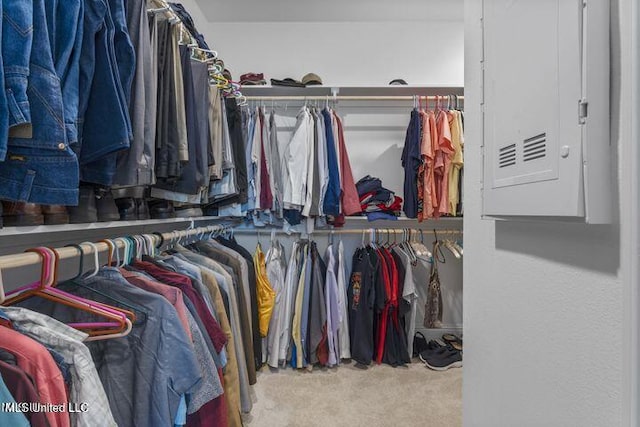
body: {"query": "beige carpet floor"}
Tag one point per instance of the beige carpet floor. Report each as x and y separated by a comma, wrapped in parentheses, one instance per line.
(380, 396)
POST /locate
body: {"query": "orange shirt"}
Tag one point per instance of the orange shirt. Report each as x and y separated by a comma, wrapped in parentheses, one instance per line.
(446, 151)
(36, 361)
(425, 146)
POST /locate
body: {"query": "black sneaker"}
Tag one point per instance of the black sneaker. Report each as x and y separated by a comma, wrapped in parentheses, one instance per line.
(442, 362)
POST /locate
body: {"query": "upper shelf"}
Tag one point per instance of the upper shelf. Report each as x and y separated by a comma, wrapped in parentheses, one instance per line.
(396, 90)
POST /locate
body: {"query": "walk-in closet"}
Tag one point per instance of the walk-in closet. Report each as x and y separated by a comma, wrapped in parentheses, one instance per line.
(286, 213)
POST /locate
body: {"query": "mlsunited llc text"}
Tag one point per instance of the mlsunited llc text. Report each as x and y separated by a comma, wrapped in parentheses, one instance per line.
(44, 407)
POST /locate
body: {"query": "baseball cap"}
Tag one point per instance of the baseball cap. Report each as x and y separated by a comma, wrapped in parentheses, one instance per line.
(396, 82)
(311, 79)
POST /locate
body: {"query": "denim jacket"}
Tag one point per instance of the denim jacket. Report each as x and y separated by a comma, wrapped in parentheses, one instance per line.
(39, 167)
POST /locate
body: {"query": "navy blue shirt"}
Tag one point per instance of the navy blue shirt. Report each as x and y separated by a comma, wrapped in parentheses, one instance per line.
(331, 205)
(411, 163)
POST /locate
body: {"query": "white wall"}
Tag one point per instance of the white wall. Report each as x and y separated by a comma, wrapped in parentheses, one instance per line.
(545, 315)
(362, 43)
(423, 49)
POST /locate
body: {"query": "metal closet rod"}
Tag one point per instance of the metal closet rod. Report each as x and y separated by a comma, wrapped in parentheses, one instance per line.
(349, 98)
(381, 231)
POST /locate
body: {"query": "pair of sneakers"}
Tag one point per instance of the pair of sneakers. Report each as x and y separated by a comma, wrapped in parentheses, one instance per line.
(440, 356)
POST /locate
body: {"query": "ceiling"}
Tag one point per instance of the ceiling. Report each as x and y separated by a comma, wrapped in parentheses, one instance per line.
(331, 10)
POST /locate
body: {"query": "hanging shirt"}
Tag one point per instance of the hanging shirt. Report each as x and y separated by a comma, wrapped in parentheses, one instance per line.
(446, 151)
(86, 385)
(331, 204)
(276, 272)
(361, 298)
(296, 332)
(266, 195)
(410, 163)
(291, 290)
(251, 178)
(22, 390)
(343, 305)
(13, 419)
(456, 162)
(318, 347)
(323, 165)
(332, 308)
(410, 294)
(295, 161)
(36, 361)
(312, 179)
(276, 167)
(349, 201)
(266, 294)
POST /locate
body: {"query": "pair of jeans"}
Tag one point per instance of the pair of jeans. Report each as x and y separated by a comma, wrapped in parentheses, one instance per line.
(107, 66)
(194, 174)
(136, 165)
(17, 40)
(65, 28)
(40, 167)
(169, 124)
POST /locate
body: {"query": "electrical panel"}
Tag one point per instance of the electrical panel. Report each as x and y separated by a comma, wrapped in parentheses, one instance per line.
(545, 102)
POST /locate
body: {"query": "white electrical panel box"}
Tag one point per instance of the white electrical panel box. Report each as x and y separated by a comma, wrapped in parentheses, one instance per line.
(546, 143)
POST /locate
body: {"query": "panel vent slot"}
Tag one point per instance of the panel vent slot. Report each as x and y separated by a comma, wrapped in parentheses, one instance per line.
(535, 147)
(507, 156)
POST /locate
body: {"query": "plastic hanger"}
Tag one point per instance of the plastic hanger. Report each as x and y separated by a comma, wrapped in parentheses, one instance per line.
(110, 244)
(96, 258)
(47, 291)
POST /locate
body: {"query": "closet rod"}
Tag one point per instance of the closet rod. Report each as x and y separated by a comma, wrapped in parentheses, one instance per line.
(347, 98)
(381, 231)
(30, 258)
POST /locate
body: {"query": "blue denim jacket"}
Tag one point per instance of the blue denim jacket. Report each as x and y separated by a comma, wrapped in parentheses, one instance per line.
(17, 38)
(40, 167)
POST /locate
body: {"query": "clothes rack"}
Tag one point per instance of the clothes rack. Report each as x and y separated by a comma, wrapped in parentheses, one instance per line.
(27, 259)
(383, 231)
(345, 98)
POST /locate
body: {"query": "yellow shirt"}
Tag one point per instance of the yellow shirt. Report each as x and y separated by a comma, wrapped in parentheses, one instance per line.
(456, 161)
(266, 294)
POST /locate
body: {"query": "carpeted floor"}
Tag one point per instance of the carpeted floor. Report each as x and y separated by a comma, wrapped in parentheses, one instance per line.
(348, 396)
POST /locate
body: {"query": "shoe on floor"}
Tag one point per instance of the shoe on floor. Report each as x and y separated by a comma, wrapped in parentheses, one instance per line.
(143, 209)
(107, 208)
(55, 214)
(161, 209)
(127, 209)
(86, 211)
(442, 362)
(21, 214)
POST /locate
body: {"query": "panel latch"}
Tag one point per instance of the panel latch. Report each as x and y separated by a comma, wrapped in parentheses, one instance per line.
(583, 110)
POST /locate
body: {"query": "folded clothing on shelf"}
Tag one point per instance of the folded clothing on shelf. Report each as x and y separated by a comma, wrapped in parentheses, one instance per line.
(376, 201)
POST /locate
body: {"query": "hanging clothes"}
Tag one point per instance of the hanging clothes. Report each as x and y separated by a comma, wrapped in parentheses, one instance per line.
(433, 160)
(266, 294)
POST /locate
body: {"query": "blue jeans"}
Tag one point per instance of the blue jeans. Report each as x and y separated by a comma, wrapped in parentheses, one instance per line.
(64, 22)
(17, 38)
(105, 84)
(41, 167)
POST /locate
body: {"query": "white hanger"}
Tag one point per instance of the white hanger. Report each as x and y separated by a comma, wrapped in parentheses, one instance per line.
(96, 259)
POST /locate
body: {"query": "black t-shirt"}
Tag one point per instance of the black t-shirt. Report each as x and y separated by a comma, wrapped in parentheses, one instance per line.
(361, 299)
